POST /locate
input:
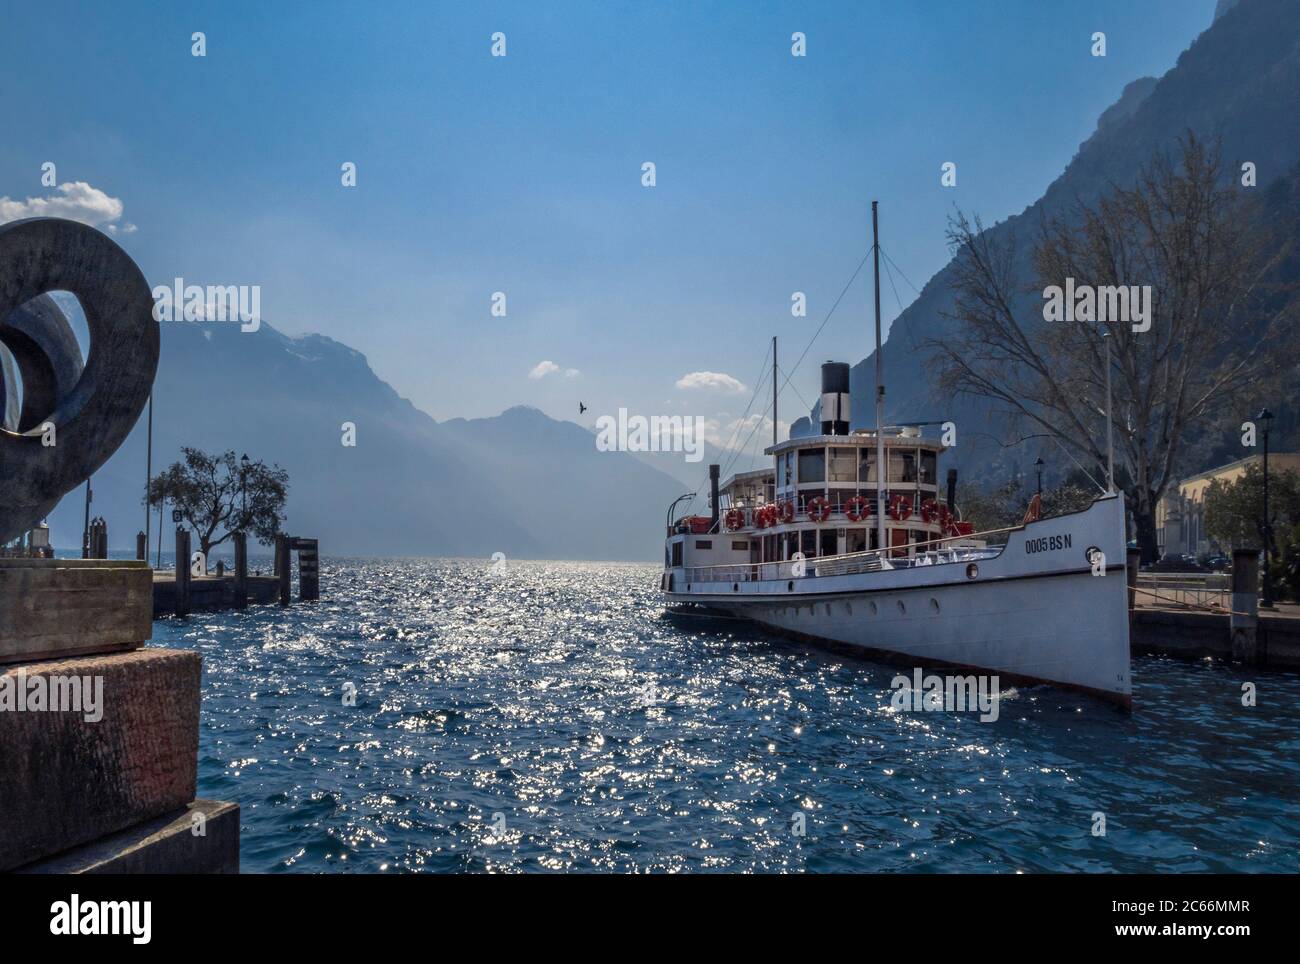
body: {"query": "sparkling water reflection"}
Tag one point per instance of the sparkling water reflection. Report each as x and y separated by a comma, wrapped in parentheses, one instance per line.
(546, 716)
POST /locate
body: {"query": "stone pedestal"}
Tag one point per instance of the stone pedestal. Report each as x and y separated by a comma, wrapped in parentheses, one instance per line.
(201, 838)
(98, 736)
(51, 608)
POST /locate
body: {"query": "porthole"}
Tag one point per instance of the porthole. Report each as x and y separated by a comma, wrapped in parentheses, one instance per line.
(934, 604)
(901, 608)
(789, 586)
(874, 610)
(972, 571)
(735, 587)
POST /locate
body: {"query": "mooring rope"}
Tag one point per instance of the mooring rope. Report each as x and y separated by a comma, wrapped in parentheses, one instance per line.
(1216, 609)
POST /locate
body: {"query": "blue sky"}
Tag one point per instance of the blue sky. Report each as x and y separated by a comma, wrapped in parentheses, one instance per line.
(522, 174)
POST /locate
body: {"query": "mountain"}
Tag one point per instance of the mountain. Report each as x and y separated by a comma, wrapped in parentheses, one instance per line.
(521, 483)
(1239, 81)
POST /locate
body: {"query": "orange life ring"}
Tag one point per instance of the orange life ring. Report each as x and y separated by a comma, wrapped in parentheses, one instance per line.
(735, 519)
(766, 516)
(929, 511)
(857, 508)
(819, 509)
(786, 511)
(900, 508)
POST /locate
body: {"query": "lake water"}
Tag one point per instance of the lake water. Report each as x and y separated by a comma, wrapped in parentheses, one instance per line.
(545, 716)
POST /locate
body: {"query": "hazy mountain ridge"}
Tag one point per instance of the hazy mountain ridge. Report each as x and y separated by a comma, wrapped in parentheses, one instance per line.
(1239, 81)
(410, 486)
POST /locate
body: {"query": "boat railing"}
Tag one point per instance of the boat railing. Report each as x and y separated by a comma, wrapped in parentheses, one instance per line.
(869, 560)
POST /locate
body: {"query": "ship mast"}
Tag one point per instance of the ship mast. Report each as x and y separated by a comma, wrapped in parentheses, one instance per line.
(880, 395)
(774, 371)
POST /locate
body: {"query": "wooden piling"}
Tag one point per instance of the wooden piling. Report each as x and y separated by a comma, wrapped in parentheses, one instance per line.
(282, 566)
(308, 568)
(182, 602)
(1244, 621)
(241, 570)
(96, 540)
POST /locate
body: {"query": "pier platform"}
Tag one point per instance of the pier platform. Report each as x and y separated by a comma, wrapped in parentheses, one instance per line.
(210, 593)
(1165, 630)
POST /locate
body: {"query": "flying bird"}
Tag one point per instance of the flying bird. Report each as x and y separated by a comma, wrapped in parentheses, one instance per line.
(581, 408)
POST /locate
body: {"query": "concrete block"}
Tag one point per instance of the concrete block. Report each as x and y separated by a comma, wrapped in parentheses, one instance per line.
(65, 780)
(55, 608)
(165, 845)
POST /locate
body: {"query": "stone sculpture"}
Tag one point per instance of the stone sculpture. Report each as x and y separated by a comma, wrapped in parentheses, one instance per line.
(92, 408)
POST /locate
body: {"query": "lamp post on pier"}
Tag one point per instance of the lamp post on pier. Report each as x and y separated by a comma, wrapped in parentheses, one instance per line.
(243, 490)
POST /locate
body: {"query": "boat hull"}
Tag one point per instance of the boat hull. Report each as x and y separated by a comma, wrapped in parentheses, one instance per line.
(1036, 612)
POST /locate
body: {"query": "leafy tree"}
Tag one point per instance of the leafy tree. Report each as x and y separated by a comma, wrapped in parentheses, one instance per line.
(1286, 571)
(1182, 229)
(1234, 511)
(1006, 505)
(992, 509)
(218, 492)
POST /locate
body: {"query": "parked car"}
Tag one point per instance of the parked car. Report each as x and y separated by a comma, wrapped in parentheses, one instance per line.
(1176, 562)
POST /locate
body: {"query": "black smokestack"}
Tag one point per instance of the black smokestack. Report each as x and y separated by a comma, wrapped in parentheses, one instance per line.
(952, 489)
(713, 495)
(835, 398)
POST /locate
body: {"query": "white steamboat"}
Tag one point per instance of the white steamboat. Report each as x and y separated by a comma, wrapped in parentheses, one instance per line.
(824, 545)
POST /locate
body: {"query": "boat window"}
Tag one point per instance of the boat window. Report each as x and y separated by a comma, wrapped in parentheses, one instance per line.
(808, 538)
(828, 541)
(856, 540)
(929, 470)
(902, 466)
(677, 553)
(812, 465)
(738, 545)
(842, 465)
(866, 465)
(703, 543)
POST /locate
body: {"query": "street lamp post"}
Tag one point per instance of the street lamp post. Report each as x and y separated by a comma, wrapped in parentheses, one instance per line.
(1038, 464)
(1265, 418)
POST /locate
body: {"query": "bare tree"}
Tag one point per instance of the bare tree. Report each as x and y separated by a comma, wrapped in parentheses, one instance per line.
(1182, 229)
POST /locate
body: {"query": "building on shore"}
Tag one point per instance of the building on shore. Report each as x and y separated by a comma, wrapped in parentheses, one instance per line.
(1180, 515)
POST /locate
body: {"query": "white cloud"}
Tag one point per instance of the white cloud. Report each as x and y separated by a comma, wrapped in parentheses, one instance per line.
(752, 433)
(76, 201)
(571, 373)
(714, 381)
(543, 368)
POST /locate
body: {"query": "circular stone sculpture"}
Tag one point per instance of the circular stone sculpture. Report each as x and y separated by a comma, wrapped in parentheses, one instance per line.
(94, 408)
(49, 360)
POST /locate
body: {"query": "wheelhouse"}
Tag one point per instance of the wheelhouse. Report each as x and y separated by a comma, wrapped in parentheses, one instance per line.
(821, 498)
